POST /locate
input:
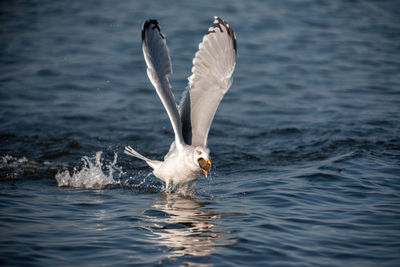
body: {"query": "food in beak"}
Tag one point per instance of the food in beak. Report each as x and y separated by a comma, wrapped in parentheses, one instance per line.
(205, 165)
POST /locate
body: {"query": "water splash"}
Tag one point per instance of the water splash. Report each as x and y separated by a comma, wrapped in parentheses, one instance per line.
(94, 174)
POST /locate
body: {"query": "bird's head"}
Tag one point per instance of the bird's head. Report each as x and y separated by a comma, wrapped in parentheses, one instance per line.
(201, 156)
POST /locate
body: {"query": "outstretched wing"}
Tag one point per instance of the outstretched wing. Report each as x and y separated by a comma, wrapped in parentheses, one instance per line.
(211, 78)
(158, 62)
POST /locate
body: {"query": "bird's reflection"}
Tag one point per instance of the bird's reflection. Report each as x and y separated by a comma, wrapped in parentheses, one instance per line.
(186, 227)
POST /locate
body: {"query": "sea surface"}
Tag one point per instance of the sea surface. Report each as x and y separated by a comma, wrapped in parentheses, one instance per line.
(305, 145)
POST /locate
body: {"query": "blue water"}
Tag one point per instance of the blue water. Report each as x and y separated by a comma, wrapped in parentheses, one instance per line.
(305, 146)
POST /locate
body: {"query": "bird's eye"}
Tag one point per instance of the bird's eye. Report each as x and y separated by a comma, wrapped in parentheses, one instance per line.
(198, 152)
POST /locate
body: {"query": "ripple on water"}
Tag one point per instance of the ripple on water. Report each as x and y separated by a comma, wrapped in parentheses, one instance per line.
(305, 145)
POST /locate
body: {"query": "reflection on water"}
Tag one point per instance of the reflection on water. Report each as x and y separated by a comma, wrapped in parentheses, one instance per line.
(186, 227)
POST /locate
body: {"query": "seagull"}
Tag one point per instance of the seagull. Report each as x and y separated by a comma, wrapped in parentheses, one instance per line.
(211, 77)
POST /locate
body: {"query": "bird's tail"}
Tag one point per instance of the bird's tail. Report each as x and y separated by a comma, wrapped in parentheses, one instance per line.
(131, 152)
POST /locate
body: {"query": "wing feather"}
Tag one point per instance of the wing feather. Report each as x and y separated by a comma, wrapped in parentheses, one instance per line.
(212, 70)
(159, 67)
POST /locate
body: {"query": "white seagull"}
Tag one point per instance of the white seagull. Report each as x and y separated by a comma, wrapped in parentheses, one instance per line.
(212, 70)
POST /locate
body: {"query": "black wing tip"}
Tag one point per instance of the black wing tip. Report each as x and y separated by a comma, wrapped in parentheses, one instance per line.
(147, 25)
(217, 24)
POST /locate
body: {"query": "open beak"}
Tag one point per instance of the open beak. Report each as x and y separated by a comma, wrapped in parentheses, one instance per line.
(205, 165)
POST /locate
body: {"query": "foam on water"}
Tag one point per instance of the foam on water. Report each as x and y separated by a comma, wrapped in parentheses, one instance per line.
(14, 167)
(94, 174)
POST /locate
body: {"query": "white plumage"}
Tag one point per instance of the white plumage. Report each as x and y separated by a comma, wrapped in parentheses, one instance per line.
(211, 78)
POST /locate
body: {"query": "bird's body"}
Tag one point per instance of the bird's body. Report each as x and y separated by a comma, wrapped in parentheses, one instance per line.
(211, 78)
(179, 167)
(183, 173)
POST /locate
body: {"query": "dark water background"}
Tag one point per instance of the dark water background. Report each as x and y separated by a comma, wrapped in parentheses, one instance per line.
(305, 145)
